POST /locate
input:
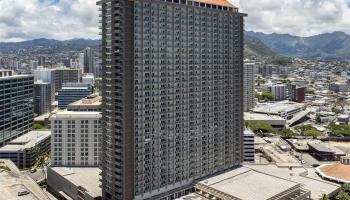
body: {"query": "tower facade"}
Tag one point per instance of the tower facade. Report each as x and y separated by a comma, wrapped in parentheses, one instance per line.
(88, 60)
(249, 85)
(172, 94)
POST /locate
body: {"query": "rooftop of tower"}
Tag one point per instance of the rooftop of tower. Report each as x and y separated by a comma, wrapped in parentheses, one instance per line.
(217, 3)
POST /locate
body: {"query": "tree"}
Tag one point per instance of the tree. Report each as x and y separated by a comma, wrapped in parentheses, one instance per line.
(267, 95)
(342, 196)
(336, 110)
(346, 188)
(318, 118)
(286, 133)
(313, 133)
(324, 197)
(258, 127)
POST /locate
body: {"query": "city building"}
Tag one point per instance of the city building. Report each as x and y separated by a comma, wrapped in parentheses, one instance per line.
(16, 106)
(75, 138)
(343, 119)
(33, 64)
(266, 70)
(279, 92)
(74, 182)
(248, 146)
(42, 61)
(43, 96)
(88, 61)
(285, 109)
(261, 182)
(90, 103)
(24, 150)
(167, 62)
(65, 75)
(88, 78)
(13, 181)
(296, 93)
(68, 63)
(325, 152)
(338, 87)
(275, 121)
(81, 61)
(71, 92)
(249, 86)
(4, 73)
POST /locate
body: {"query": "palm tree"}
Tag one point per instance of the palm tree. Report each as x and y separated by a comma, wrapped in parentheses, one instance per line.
(324, 197)
(41, 161)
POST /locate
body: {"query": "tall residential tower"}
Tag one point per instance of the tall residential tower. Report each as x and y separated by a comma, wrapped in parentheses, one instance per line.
(172, 95)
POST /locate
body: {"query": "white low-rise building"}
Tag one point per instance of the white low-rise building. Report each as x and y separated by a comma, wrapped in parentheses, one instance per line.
(75, 138)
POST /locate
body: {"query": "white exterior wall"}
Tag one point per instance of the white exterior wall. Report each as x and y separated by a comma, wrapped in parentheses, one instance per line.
(75, 138)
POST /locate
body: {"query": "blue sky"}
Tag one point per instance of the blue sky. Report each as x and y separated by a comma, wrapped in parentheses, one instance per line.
(65, 19)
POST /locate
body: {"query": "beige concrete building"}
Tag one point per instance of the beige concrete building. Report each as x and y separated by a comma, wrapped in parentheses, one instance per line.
(75, 138)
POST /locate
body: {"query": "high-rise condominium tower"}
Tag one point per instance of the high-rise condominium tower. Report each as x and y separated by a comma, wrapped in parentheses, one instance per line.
(172, 94)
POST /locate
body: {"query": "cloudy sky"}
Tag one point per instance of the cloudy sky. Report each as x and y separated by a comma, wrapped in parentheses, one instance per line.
(66, 19)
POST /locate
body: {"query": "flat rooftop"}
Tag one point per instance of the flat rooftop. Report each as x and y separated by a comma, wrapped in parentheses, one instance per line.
(26, 141)
(262, 117)
(245, 183)
(76, 114)
(278, 107)
(87, 177)
(92, 100)
(327, 148)
(217, 2)
(305, 176)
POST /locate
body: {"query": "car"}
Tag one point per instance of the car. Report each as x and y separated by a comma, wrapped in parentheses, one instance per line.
(23, 193)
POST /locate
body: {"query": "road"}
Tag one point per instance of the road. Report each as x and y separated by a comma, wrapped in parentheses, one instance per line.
(37, 176)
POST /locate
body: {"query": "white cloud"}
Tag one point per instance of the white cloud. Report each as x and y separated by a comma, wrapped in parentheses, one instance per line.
(298, 17)
(65, 19)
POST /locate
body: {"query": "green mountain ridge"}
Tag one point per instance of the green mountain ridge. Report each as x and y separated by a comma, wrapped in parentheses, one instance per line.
(334, 45)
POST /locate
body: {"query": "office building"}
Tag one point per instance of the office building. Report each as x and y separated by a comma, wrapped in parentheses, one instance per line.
(88, 61)
(25, 150)
(65, 75)
(43, 95)
(71, 92)
(249, 86)
(75, 138)
(42, 61)
(88, 78)
(81, 61)
(16, 106)
(172, 95)
(90, 103)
